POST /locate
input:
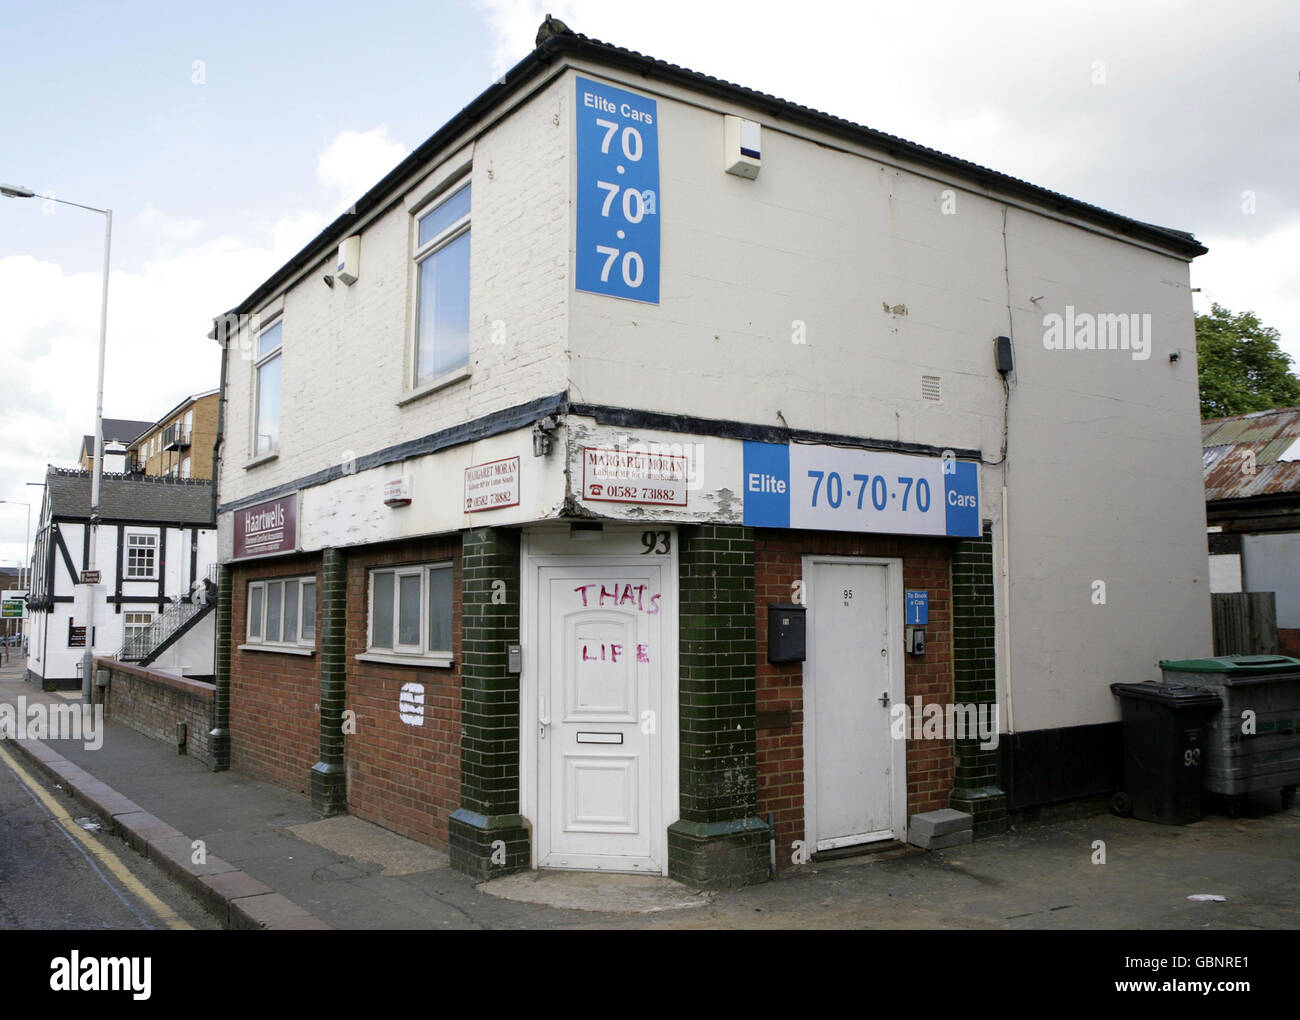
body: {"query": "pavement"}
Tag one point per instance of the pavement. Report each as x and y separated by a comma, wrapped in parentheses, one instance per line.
(269, 860)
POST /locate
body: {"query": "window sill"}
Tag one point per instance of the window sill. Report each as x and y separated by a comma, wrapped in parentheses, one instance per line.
(281, 649)
(443, 381)
(439, 661)
(265, 458)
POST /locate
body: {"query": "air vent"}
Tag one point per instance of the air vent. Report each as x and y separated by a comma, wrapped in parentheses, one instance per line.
(930, 388)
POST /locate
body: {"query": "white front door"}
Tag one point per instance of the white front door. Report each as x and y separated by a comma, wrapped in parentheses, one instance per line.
(855, 784)
(604, 637)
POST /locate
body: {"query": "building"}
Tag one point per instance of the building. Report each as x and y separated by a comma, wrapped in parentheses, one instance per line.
(156, 543)
(118, 435)
(1252, 508)
(739, 443)
(180, 442)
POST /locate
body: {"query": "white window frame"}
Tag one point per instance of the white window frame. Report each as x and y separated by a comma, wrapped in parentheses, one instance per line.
(412, 655)
(420, 253)
(260, 361)
(154, 544)
(128, 625)
(259, 643)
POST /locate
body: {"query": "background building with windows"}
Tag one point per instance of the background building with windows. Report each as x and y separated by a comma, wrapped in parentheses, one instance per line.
(179, 444)
(736, 428)
(119, 434)
(156, 543)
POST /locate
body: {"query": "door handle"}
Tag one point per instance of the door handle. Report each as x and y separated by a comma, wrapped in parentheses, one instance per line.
(884, 698)
(543, 720)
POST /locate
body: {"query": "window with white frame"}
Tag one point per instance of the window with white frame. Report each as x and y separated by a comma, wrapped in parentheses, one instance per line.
(411, 613)
(267, 372)
(185, 467)
(141, 557)
(135, 624)
(282, 612)
(441, 341)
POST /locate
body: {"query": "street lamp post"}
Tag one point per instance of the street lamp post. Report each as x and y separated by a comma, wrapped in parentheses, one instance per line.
(88, 660)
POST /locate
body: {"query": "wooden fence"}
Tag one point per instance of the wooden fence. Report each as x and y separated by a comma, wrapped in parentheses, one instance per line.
(1245, 623)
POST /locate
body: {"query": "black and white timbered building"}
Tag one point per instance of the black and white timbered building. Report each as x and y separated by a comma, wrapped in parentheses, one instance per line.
(155, 547)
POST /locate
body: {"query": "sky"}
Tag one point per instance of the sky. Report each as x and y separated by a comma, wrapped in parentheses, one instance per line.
(225, 136)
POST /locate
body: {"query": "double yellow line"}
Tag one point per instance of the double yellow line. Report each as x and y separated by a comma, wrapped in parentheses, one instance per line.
(100, 852)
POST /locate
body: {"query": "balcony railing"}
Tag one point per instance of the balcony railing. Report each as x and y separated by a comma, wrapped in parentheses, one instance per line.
(176, 437)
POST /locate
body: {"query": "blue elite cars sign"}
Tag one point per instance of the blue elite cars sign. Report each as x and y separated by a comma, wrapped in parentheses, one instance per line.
(830, 488)
(618, 192)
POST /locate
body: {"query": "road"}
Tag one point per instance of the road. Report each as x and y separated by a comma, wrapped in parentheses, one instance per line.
(58, 872)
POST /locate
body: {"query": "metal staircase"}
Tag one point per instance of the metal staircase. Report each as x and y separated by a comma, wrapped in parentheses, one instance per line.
(146, 645)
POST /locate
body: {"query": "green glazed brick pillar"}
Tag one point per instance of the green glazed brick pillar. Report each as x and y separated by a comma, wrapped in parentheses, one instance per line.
(717, 841)
(219, 738)
(974, 634)
(329, 791)
(488, 836)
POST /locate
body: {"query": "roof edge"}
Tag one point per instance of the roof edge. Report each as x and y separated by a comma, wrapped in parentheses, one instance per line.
(567, 42)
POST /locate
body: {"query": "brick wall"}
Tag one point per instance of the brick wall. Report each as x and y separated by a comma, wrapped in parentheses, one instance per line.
(403, 777)
(274, 697)
(153, 702)
(777, 565)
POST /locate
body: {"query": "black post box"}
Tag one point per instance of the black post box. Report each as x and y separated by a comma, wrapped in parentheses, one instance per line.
(785, 632)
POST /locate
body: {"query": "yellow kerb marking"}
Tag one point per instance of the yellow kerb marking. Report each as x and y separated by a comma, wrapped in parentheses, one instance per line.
(101, 853)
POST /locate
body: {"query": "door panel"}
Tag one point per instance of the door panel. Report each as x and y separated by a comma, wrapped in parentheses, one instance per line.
(851, 686)
(600, 679)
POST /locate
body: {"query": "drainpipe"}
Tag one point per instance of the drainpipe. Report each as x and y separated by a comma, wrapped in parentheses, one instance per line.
(221, 407)
(1006, 602)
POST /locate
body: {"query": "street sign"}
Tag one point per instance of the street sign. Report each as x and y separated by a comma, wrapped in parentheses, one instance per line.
(12, 609)
(918, 608)
(90, 577)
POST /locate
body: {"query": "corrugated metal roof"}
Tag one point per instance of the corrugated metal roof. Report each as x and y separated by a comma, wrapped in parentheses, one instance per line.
(1227, 443)
(131, 497)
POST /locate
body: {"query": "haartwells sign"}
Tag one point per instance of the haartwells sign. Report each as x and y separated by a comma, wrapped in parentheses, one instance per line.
(268, 528)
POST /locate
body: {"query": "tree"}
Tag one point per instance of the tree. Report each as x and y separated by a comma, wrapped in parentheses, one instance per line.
(1242, 366)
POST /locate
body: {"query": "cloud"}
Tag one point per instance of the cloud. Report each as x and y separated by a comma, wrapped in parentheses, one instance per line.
(355, 161)
(1168, 121)
(1255, 274)
(159, 312)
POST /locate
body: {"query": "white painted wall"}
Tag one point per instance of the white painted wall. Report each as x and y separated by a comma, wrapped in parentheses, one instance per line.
(53, 658)
(345, 348)
(1103, 469)
(1225, 573)
(192, 655)
(1271, 562)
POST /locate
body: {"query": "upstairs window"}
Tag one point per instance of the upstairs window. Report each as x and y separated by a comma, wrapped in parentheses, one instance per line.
(141, 557)
(442, 289)
(266, 419)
